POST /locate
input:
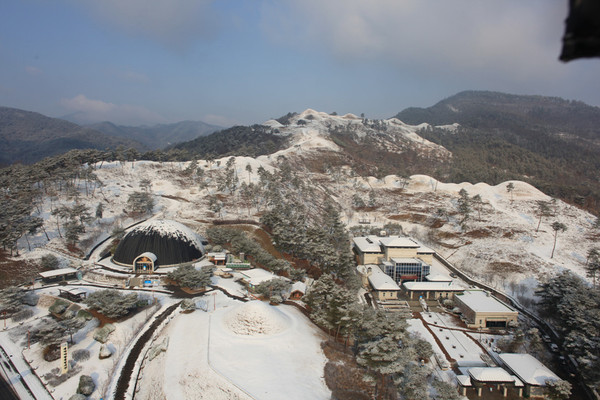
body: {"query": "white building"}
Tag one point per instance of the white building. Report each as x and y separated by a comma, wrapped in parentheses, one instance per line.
(482, 310)
(431, 290)
(383, 286)
(530, 371)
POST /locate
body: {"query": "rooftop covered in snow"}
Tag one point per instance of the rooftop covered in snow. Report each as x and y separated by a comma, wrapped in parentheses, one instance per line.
(480, 301)
(490, 374)
(433, 286)
(528, 368)
(172, 242)
(379, 280)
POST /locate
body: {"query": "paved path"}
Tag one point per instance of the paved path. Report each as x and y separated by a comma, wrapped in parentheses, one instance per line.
(18, 373)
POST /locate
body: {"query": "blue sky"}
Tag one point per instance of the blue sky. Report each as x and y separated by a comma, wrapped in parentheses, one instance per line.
(240, 62)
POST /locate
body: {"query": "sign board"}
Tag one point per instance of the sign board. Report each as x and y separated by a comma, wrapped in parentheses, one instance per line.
(64, 357)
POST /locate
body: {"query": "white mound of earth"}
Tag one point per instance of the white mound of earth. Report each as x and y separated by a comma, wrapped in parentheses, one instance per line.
(256, 318)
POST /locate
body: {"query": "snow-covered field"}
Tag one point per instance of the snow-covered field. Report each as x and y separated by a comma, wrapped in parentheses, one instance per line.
(240, 351)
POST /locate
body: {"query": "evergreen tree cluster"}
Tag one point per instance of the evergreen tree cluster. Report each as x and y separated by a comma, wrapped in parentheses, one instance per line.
(333, 306)
(574, 309)
(140, 202)
(190, 277)
(23, 189)
(250, 141)
(382, 344)
(274, 289)
(112, 303)
(322, 240)
(239, 242)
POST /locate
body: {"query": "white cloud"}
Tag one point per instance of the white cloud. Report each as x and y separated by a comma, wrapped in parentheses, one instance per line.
(507, 38)
(174, 23)
(90, 111)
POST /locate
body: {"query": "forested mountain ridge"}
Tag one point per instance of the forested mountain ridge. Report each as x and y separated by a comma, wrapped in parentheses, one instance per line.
(484, 109)
(252, 141)
(372, 147)
(28, 137)
(547, 141)
(160, 135)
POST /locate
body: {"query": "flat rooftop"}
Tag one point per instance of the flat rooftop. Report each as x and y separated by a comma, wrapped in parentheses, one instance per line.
(404, 260)
(58, 272)
(433, 287)
(380, 280)
(367, 244)
(480, 301)
(256, 276)
(528, 368)
(396, 241)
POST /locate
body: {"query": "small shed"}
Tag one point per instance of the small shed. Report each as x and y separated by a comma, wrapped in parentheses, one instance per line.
(57, 275)
(492, 377)
(73, 294)
(298, 290)
(256, 276)
(217, 258)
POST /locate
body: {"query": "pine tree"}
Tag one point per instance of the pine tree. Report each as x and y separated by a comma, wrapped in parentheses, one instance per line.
(190, 277)
(11, 299)
(412, 383)
(445, 391)
(99, 210)
(592, 264)
(557, 226)
(510, 188)
(478, 203)
(112, 303)
(464, 205)
(557, 389)
(543, 210)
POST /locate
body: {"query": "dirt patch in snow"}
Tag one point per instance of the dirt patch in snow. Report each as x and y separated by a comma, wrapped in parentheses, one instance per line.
(503, 268)
(14, 271)
(479, 233)
(166, 196)
(256, 318)
(414, 218)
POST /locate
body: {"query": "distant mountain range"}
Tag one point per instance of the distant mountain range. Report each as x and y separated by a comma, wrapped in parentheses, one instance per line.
(28, 137)
(158, 136)
(547, 141)
(479, 136)
(489, 137)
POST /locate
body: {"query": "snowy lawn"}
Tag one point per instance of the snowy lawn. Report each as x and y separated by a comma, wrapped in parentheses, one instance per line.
(271, 352)
(240, 351)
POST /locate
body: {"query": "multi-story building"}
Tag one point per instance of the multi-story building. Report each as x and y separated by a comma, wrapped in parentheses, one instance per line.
(401, 258)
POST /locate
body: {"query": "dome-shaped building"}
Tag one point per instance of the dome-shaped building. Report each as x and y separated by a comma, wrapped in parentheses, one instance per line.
(155, 242)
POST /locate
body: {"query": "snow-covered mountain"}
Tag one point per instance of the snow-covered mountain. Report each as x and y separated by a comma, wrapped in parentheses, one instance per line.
(316, 130)
(499, 243)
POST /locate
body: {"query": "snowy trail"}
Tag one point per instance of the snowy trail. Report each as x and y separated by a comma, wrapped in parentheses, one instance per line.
(20, 375)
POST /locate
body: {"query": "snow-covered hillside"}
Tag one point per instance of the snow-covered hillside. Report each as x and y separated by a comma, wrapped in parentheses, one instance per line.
(312, 130)
(499, 243)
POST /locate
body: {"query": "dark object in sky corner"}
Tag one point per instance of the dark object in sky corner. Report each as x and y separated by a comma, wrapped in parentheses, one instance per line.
(582, 33)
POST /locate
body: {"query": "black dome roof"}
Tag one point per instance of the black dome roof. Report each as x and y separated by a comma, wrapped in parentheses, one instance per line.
(170, 241)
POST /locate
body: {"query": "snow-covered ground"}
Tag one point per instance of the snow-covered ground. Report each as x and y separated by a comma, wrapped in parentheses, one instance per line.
(239, 351)
(500, 246)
